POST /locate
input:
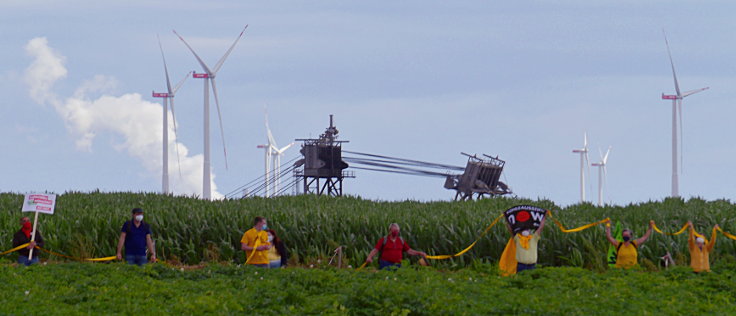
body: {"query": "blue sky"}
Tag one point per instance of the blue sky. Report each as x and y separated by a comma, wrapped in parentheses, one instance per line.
(416, 79)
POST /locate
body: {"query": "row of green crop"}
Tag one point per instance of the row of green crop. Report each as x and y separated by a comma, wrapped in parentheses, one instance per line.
(109, 289)
(192, 230)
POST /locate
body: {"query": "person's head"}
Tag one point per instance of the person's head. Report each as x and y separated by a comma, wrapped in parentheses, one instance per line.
(394, 230)
(272, 237)
(25, 222)
(627, 235)
(137, 214)
(700, 241)
(259, 223)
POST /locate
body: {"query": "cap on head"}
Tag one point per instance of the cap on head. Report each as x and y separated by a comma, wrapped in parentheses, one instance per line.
(137, 210)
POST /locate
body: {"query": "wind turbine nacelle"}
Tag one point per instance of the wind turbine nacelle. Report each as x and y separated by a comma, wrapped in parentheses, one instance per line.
(200, 76)
(160, 95)
(669, 97)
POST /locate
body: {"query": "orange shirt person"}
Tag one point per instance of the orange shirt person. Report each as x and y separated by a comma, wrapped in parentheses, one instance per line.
(700, 249)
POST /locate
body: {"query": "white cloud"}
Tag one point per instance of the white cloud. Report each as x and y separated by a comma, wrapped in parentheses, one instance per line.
(136, 120)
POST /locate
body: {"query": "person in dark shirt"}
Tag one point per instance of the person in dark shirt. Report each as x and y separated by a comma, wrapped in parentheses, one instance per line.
(23, 236)
(392, 248)
(136, 236)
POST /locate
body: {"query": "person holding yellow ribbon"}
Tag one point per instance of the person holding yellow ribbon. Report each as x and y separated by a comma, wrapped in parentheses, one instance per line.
(626, 251)
(255, 243)
(525, 246)
(700, 249)
(23, 236)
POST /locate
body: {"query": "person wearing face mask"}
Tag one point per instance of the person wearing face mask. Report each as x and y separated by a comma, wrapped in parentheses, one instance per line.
(23, 236)
(277, 254)
(626, 251)
(392, 248)
(700, 249)
(255, 244)
(136, 236)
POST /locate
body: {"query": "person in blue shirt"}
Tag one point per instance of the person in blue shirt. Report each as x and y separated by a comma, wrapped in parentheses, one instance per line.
(136, 236)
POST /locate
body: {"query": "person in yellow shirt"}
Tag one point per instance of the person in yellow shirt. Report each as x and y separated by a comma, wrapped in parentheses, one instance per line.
(700, 249)
(626, 251)
(525, 243)
(255, 243)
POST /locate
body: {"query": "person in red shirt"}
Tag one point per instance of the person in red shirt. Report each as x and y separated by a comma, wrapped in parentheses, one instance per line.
(392, 248)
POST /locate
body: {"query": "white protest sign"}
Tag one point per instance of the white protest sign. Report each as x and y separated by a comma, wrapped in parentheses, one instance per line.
(38, 202)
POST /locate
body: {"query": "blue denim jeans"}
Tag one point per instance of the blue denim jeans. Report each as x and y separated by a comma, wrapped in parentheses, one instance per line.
(136, 259)
(383, 264)
(274, 264)
(521, 266)
(24, 260)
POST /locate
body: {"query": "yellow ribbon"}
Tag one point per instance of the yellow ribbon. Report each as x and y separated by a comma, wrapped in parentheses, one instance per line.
(258, 241)
(682, 230)
(441, 257)
(574, 230)
(110, 258)
(726, 234)
(14, 249)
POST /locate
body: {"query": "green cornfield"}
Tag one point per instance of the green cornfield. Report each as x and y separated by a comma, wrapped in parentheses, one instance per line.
(193, 231)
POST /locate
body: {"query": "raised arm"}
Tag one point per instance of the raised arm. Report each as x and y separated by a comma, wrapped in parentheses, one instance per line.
(691, 235)
(613, 241)
(712, 242)
(646, 235)
(541, 225)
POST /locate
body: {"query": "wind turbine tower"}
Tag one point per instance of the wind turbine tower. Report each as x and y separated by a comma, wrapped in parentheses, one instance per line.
(273, 157)
(583, 164)
(209, 76)
(168, 97)
(676, 115)
(602, 173)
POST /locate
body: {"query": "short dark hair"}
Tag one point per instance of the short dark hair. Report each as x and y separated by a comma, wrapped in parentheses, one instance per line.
(257, 220)
(137, 210)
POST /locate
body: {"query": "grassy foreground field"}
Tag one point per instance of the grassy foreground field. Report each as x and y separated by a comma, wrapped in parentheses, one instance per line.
(86, 288)
(191, 231)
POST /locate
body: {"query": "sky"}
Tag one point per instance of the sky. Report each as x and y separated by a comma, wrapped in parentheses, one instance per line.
(424, 80)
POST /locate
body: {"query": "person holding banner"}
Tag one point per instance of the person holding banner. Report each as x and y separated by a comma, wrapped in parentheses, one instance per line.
(626, 251)
(700, 249)
(255, 244)
(23, 236)
(392, 248)
(136, 236)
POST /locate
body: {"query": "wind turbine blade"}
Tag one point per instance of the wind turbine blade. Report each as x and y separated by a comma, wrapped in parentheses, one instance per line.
(173, 119)
(222, 60)
(691, 92)
(166, 69)
(674, 75)
(271, 140)
(585, 141)
(605, 158)
(201, 63)
(178, 85)
(286, 147)
(219, 117)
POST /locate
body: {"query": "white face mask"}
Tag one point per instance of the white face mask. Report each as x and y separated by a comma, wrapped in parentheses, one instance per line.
(700, 240)
(270, 238)
(525, 233)
(139, 218)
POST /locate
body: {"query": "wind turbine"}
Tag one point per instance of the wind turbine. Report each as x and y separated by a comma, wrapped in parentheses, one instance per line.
(275, 153)
(168, 97)
(676, 114)
(601, 174)
(209, 76)
(584, 161)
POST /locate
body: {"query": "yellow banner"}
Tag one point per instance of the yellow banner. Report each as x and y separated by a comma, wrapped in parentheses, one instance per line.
(682, 230)
(726, 234)
(78, 259)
